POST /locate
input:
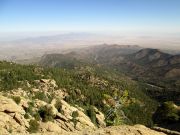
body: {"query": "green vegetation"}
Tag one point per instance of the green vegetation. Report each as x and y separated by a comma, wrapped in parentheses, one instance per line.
(33, 126)
(167, 113)
(30, 110)
(87, 86)
(41, 96)
(17, 99)
(46, 113)
(92, 114)
(13, 75)
(74, 116)
(26, 116)
(58, 105)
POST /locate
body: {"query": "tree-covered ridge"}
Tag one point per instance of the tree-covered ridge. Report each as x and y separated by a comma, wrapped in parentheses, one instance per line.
(118, 97)
(13, 75)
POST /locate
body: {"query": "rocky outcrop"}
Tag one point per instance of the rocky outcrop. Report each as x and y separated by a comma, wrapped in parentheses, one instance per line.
(11, 117)
(50, 127)
(82, 120)
(121, 130)
(54, 115)
(9, 106)
(8, 124)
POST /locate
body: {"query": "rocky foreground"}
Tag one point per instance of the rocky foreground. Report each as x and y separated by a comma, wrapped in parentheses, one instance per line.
(120, 130)
(29, 112)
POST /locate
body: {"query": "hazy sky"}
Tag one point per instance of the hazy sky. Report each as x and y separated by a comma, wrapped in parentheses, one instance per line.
(144, 16)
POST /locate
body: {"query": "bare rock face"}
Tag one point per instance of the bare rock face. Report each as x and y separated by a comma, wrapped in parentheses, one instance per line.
(8, 124)
(21, 120)
(12, 117)
(82, 119)
(50, 127)
(9, 106)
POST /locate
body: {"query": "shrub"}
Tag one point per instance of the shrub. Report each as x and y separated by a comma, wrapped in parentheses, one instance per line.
(138, 114)
(33, 126)
(110, 120)
(30, 108)
(166, 113)
(92, 114)
(46, 113)
(37, 116)
(26, 116)
(58, 105)
(41, 96)
(17, 99)
(74, 116)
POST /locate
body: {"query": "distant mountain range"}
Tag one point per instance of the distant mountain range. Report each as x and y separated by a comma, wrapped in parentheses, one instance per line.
(159, 70)
(35, 46)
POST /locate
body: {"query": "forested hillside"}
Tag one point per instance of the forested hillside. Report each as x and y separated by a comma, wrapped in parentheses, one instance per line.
(117, 96)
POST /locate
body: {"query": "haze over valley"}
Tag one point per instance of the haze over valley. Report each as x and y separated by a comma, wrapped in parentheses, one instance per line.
(90, 67)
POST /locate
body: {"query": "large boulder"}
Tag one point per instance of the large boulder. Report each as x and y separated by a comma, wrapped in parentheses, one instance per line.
(9, 106)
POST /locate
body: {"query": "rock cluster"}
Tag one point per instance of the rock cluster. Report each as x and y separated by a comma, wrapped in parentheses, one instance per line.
(13, 115)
